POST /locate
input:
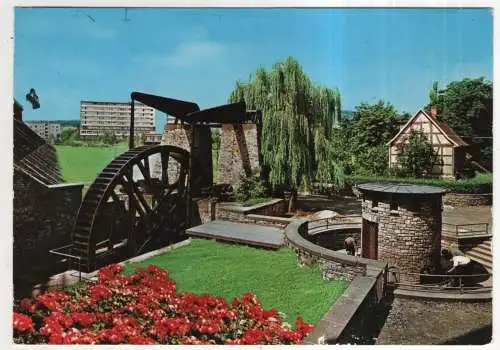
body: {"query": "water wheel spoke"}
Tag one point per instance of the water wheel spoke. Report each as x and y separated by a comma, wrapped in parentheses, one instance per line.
(134, 204)
(138, 193)
(119, 202)
(147, 180)
(164, 166)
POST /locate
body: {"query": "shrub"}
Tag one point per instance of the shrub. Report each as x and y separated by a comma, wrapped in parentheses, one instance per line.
(145, 308)
(250, 188)
(417, 158)
(374, 161)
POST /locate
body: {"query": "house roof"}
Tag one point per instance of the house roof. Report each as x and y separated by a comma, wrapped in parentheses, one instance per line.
(445, 129)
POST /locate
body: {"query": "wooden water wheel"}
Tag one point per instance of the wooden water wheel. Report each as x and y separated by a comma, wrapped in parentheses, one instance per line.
(133, 205)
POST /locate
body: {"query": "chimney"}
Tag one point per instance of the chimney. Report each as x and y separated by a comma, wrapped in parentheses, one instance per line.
(434, 112)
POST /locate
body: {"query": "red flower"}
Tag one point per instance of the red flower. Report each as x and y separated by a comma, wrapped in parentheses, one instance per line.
(145, 308)
(302, 327)
(99, 292)
(112, 336)
(85, 319)
(140, 340)
(23, 323)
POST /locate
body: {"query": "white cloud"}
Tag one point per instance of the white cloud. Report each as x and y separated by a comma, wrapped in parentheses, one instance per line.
(189, 54)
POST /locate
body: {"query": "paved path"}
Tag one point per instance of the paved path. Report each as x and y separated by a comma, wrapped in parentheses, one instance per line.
(469, 215)
(420, 322)
(255, 235)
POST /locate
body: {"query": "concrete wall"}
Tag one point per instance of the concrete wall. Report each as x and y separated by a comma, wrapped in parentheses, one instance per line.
(43, 220)
(239, 152)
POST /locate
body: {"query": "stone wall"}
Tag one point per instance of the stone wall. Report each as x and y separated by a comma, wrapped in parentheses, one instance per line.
(409, 235)
(43, 219)
(333, 264)
(239, 152)
(354, 309)
(180, 136)
(351, 317)
(334, 238)
(233, 212)
(467, 199)
(266, 214)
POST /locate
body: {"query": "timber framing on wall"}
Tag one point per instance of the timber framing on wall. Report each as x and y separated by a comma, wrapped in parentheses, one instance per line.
(442, 138)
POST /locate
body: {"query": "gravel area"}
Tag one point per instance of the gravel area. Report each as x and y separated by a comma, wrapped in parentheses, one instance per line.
(421, 322)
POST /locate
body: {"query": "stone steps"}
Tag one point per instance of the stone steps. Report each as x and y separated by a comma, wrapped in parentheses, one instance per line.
(482, 254)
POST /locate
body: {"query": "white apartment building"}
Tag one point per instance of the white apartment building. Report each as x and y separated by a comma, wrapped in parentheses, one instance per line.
(44, 128)
(98, 118)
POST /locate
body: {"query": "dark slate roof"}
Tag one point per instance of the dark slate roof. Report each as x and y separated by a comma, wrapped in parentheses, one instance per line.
(401, 188)
(34, 156)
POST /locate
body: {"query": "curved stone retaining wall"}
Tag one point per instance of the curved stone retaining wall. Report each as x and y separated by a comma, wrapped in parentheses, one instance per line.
(467, 199)
(333, 264)
(356, 304)
(334, 238)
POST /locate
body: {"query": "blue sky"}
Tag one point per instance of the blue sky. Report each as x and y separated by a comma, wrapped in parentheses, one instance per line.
(69, 55)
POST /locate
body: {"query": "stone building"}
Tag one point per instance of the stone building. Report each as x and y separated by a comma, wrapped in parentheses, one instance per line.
(44, 207)
(402, 226)
(449, 147)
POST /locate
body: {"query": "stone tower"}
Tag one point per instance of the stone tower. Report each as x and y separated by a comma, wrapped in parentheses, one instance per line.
(402, 226)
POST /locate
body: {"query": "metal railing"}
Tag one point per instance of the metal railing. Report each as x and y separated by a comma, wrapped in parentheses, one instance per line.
(319, 225)
(466, 230)
(447, 283)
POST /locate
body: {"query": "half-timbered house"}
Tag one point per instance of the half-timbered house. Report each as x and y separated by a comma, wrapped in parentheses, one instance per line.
(448, 146)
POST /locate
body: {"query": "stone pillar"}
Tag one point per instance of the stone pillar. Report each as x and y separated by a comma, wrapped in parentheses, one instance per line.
(239, 152)
(180, 135)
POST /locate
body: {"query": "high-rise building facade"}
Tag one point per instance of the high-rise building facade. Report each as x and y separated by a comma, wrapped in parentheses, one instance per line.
(98, 118)
(44, 128)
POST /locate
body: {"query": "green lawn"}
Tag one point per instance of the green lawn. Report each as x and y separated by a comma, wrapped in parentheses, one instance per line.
(82, 164)
(206, 266)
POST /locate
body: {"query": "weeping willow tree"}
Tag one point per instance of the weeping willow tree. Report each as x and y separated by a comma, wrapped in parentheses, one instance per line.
(298, 119)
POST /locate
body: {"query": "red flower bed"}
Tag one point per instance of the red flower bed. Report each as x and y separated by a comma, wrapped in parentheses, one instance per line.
(145, 308)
